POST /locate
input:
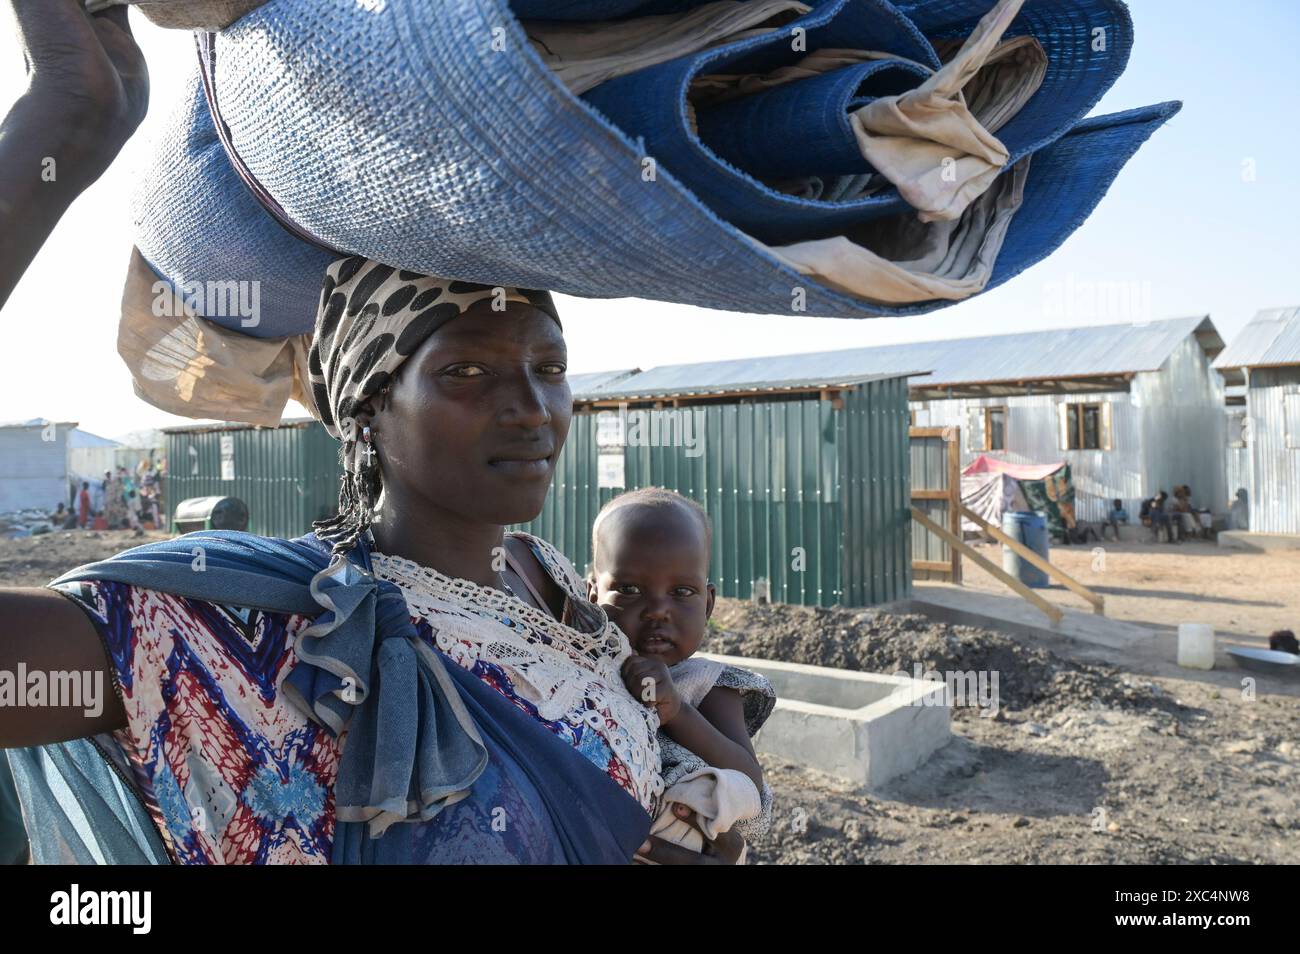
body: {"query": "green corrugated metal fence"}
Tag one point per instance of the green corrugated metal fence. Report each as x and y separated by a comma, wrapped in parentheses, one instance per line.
(877, 526)
(288, 475)
(812, 497)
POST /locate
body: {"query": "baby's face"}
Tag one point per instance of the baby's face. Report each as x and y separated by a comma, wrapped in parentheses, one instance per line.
(653, 580)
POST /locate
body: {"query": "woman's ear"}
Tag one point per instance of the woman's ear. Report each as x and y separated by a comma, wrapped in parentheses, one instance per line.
(592, 589)
(364, 413)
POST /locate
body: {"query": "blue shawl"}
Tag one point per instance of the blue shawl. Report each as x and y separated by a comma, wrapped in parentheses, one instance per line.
(424, 735)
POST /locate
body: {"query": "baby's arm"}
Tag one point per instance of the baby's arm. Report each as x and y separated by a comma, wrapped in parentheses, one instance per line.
(715, 731)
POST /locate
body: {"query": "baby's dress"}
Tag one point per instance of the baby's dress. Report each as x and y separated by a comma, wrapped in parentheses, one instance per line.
(695, 678)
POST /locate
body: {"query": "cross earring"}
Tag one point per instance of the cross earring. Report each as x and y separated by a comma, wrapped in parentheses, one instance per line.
(369, 449)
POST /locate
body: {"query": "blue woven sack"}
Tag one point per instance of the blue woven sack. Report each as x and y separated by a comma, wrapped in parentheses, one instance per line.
(428, 134)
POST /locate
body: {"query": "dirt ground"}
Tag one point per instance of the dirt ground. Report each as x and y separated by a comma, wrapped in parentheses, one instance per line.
(1095, 756)
(1244, 595)
(33, 561)
(1084, 763)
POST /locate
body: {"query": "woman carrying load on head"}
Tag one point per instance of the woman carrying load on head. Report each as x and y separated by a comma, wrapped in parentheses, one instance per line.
(409, 683)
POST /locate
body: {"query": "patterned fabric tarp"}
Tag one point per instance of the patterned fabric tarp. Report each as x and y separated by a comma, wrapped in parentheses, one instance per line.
(1053, 496)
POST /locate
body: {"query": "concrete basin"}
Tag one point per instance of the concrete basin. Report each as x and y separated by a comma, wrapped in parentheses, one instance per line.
(866, 728)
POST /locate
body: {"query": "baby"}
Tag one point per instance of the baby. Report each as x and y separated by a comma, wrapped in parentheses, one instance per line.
(650, 573)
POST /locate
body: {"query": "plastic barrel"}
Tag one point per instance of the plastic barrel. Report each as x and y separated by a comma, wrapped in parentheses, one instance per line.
(1030, 529)
(210, 513)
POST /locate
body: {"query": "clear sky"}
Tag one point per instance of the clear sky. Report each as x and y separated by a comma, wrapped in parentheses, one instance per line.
(1203, 221)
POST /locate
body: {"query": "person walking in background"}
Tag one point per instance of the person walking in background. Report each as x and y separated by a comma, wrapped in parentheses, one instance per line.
(114, 501)
(152, 512)
(83, 505)
(98, 497)
(132, 500)
(149, 492)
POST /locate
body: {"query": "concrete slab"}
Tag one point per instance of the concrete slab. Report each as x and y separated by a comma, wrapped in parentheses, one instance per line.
(972, 607)
(864, 727)
(1245, 540)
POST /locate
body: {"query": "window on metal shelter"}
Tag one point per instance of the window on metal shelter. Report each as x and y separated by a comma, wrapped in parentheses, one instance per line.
(995, 428)
(1085, 425)
(1237, 429)
(1291, 419)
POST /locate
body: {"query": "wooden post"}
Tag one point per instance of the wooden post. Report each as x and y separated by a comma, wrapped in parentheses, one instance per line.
(953, 437)
(1098, 602)
(954, 541)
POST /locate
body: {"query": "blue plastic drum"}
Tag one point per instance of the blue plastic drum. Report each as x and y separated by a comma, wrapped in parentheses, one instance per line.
(1029, 528)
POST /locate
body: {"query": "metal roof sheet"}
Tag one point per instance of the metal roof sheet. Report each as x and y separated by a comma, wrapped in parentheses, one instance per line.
(1272, 338)
(581, 383)
(632, 388)
(1091, 351)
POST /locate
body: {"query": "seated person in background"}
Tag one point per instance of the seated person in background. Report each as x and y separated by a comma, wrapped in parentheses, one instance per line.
(650, 573)
(1181, 511)
(1080, 532)
(1284, 641)
(1114, 517)
(1239, 510)
(1153, 515)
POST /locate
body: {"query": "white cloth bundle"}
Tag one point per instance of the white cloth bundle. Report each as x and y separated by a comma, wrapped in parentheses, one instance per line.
(719, 797)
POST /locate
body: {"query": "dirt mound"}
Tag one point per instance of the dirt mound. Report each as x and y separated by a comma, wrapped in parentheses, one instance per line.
(873, 641)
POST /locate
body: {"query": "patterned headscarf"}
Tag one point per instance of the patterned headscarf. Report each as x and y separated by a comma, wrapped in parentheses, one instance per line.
(371, 318)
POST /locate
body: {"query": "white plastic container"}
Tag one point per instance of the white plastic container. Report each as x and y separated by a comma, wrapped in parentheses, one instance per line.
(1196, 645)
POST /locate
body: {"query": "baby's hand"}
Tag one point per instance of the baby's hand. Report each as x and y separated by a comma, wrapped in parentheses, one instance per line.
(649, 682)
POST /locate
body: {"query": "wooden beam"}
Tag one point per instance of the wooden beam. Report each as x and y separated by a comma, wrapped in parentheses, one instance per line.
(953, 437)
(1052, 612)
(930, 495)
(1055, 572)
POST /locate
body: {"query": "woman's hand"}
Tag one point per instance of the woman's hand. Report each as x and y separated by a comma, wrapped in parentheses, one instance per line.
(723, 850)
(86, 72)
(88, 90)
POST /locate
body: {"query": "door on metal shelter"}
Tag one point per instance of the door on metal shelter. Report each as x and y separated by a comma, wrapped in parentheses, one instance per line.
(936, 492)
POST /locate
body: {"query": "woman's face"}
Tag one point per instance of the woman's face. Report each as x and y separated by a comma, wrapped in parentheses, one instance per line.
(476, 418)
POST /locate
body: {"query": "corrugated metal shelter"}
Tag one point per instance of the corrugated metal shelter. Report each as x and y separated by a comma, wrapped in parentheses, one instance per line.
(805, 478)
(90, 455)
(147, 444)
(288, 475)
(34, 464)
(1139, 409)
(1265, 358)
(1133, 408)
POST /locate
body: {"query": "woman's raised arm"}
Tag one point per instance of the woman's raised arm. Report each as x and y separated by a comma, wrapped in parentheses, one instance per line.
(88, 90)
(55, 677)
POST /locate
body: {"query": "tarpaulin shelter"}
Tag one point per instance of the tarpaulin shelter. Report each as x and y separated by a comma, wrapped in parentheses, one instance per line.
(991, 487)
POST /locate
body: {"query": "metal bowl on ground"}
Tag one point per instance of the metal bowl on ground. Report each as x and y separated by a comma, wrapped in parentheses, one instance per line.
(1265, 660)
